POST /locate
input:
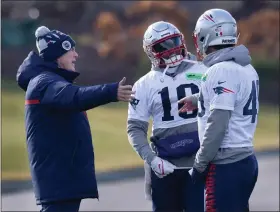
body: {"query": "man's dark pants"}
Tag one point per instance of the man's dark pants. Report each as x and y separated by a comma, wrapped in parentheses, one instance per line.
(176, 192)
(61, 206)
(229, 186)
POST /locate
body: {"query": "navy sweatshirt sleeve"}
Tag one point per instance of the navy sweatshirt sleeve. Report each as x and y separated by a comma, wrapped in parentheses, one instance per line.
(60, 94)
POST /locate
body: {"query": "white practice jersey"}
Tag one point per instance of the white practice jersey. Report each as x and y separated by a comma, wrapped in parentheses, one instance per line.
(229, 86)
(157, 97)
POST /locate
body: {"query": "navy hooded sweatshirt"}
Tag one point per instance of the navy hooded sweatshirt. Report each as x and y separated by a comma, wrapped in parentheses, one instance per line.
(58, 135)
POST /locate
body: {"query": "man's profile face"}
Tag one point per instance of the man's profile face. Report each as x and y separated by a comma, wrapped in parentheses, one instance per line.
(67, 61)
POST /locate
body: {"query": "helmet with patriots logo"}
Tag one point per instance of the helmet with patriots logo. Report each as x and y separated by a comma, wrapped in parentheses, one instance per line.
(164, 44)
(214, 27)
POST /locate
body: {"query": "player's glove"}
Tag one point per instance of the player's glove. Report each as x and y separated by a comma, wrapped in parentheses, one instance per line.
(148, 182)
(162, 167)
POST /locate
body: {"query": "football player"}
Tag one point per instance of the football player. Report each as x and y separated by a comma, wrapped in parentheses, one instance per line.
(174, 141)
(227, 118)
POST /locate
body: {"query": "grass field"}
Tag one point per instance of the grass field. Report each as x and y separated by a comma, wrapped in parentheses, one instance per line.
(108, 124)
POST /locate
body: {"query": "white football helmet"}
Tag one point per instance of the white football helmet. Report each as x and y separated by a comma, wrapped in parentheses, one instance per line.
(164, 44)
(214, 27)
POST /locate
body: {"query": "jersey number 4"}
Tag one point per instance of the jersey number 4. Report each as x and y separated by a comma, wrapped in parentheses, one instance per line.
(246, 111)
(252, 98)
(181, 93)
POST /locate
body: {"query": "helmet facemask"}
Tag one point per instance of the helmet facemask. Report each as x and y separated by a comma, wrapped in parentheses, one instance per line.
(169, 50)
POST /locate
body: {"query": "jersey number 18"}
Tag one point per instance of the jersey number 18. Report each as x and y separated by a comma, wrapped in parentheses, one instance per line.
(181, 93)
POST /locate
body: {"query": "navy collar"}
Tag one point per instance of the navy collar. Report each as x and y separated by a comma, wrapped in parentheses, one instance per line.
(66, 74)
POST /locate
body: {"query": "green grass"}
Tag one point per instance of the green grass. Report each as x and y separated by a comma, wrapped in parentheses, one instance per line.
(108, 124)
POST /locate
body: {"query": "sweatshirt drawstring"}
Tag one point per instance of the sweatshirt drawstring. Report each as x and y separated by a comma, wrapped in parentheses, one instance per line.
(191, 61)
(163, 73)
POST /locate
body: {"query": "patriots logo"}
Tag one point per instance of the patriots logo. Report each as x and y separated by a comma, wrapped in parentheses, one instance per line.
(219, 90)
(134, 103)
(208, 17)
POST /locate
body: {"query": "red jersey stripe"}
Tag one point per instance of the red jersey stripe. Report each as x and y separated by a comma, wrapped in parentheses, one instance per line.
(32, 102)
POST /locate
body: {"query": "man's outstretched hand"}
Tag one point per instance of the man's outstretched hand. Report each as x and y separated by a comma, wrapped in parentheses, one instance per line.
(125, 91)
(189, 103)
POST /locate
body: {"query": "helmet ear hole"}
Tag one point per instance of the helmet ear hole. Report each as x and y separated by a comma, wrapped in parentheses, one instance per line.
(201, 39)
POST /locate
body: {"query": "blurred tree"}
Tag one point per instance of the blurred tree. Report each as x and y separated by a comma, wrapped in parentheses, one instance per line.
(6, 8)
(147, 12)
(124, 39)
(110, 34)
(249, 7)
(63, 15)
(115, 31)
(260, 32)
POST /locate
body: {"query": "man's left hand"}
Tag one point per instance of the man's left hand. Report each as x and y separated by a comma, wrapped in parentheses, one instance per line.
(198, 176)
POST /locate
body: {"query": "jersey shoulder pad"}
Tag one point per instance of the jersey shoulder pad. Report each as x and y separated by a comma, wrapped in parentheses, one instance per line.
(222, 71)
(144, 81)
(224, 66)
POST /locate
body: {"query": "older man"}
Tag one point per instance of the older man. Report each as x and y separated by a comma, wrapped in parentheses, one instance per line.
(58, 133)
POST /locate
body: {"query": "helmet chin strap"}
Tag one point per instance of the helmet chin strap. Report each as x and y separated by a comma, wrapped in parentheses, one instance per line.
(190, 61)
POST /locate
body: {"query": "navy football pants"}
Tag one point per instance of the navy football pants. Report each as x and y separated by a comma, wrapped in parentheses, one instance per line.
(176, 192)
(229, 186)
(61, 206)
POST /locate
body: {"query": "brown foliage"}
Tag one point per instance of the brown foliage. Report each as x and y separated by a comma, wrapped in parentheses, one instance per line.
(108, 24)
(109, 30)
(119, 39)
(260, 33)
(152, 11)
(141, 7)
